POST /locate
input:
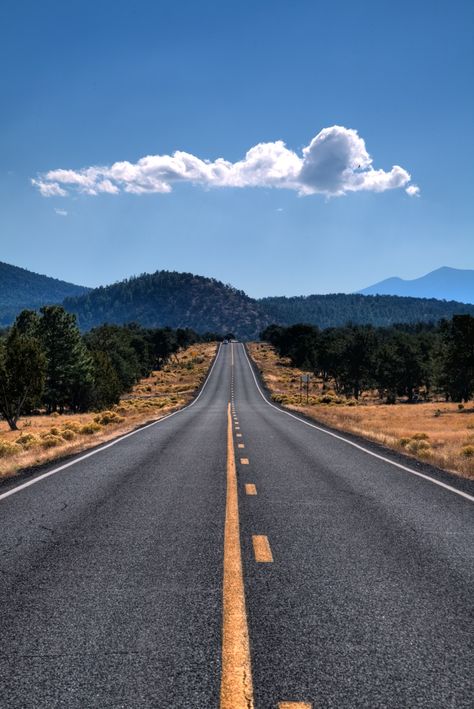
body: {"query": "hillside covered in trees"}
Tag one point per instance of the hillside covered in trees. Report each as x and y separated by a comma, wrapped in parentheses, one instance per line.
(337, 309)
(171, 299)
(20, 288)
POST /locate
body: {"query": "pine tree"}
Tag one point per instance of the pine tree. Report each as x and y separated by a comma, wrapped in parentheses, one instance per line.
(69, 371)
(22, 375)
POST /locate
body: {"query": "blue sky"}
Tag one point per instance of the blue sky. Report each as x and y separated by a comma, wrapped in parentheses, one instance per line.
(92, 84)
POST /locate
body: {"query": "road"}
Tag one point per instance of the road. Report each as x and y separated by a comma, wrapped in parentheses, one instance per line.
(232, 556)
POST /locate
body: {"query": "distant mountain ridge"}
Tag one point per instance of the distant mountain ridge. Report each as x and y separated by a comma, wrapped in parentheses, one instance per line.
(20, 288)
(169, 298)
(444, 284)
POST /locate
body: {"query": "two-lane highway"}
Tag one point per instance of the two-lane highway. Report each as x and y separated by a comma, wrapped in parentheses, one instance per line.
(235, 549)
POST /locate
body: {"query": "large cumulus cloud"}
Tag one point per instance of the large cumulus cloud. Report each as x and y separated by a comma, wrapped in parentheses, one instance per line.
(334, 163)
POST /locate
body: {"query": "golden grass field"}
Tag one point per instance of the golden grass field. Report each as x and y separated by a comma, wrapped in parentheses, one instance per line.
(41, 439)
(436, 432)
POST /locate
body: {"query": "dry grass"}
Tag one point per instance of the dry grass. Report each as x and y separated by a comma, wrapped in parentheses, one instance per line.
(437, 432)
(45, 438)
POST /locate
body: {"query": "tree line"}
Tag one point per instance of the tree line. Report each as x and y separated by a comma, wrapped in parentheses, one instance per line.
(46, 364)
(412, 361)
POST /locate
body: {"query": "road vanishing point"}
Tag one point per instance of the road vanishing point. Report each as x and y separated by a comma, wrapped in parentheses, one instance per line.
(233, 555)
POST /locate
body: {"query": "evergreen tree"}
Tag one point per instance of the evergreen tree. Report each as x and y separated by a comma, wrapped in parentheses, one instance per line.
(22, 375)
(107, 386)
(69, 364)
(457, 354)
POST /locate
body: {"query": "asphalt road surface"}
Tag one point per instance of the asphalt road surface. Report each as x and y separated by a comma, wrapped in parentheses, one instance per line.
(126, 581)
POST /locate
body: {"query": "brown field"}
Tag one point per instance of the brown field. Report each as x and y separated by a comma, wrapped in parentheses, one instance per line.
(436, 432)
(41, 439)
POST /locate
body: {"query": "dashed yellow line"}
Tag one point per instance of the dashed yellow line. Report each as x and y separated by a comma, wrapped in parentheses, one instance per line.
(261, 548)
(236, 680)
(250, 489)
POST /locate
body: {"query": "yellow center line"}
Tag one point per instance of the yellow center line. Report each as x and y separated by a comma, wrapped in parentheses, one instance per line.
(236, 680)
(250, 489)
(295, 705)
(261, 548)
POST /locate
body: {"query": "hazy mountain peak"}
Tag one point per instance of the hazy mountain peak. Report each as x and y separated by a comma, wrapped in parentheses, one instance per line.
(444, 283)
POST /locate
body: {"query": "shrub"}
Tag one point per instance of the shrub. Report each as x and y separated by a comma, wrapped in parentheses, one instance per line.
(8, 449)
(418, 446)
(404, 442)
(467, 451)
(28, 440)
(107, 417)
(54, 431)
(420, 436)
(326, 399)
(71, 426)
(88, 429)
(68, 435)
(51, 441)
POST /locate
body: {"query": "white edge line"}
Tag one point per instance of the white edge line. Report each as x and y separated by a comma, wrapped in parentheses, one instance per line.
(356, 445)
(112, 443)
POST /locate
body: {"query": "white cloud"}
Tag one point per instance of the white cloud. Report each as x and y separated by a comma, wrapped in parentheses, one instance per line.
(49, 189)
(61, 212)
(334, 163)
(413, 190)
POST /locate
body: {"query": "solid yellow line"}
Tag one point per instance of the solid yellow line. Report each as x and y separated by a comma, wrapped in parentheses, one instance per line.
(294, 705)
(261, 548)
(250, 489)
(236, 680)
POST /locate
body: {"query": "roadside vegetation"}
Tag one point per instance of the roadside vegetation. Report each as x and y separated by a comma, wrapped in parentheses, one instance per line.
(408, 388)
(62, 392)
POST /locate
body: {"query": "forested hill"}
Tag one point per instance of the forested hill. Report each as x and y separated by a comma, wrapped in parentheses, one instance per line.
(176, 300)
(20, 289)
(338, 309)
(171, 299)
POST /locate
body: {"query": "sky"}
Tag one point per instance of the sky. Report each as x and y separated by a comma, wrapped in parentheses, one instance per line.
(284, 147)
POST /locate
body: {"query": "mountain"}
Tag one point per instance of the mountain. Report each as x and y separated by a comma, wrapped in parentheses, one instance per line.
(205, 304)
(340, 308)
(21, 289)
(167, 298)
(445, 284)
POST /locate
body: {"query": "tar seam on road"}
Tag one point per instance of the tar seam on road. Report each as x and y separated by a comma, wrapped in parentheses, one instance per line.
(356, 445)
(112, 443)
(236, 680)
